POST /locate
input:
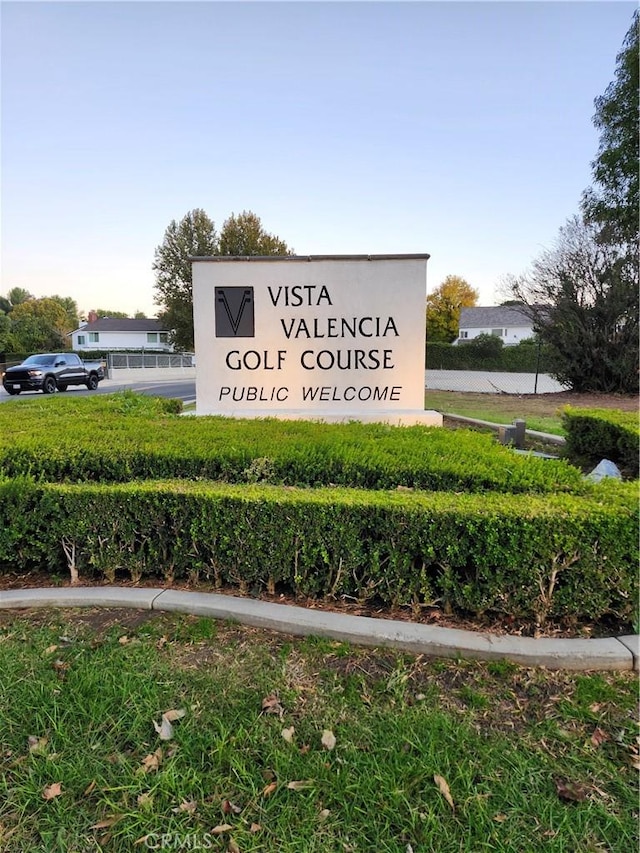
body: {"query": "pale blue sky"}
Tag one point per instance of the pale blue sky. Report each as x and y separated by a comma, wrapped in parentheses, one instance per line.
(461, 129)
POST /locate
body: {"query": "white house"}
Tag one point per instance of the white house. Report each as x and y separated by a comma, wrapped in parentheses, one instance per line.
(508, 323)
(110, 334)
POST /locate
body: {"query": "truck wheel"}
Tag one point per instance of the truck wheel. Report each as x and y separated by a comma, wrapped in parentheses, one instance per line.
(62, 387)
(49, 385)
(92, 382)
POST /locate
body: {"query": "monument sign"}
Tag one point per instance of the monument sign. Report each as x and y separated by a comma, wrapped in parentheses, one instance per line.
(323, 337)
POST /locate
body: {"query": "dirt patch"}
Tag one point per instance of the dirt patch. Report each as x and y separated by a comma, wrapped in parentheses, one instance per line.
(428, 615)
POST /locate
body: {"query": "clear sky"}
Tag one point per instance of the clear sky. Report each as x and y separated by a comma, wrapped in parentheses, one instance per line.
(461, 129)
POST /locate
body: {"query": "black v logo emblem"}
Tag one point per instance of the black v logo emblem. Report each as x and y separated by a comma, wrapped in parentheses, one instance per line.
(234, 312)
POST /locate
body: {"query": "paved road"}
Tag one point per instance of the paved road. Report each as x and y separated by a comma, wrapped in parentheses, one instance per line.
(183, 389)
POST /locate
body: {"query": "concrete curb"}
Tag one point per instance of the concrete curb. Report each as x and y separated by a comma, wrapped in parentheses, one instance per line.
(547, 436)
(611, 653)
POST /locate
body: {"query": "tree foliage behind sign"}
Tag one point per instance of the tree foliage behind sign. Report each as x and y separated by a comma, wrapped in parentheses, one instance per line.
(443, 308)
(195, 236)
(244, 235)
(582, 296)
(613, 203)
(583, 293)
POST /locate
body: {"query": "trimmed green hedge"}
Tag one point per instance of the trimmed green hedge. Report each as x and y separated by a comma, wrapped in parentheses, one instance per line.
(529, 556)
(595, 434)
(120, 437)
(522, 358)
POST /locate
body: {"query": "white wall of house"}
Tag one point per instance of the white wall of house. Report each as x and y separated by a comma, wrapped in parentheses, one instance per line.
(509, 336)
(86, 341)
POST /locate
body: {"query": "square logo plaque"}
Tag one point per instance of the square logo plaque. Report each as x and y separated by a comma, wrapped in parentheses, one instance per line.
(234, 312)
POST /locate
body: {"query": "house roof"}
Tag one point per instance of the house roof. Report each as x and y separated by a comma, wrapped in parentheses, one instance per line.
(109, 324)
(502, 315)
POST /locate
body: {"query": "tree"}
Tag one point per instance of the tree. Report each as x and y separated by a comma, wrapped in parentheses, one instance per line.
(244, 235)
(194, 236)
(5, 305)
(443, 308)
(485, 345)
(613, 204)
(5, 328)
(18, 295)
(71, 310)
(582, 296)
(37, 325)
(114, 315)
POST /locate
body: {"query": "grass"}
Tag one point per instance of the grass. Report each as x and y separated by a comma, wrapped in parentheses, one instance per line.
(540, 411)
(532, 760)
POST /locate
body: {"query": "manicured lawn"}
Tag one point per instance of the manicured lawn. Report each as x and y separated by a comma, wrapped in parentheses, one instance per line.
(298, 745)
(540, 411)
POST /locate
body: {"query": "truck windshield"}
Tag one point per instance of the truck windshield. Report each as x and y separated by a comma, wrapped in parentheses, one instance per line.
(42, 360)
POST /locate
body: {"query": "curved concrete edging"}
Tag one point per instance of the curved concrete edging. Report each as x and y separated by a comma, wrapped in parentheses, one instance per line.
(612, 653)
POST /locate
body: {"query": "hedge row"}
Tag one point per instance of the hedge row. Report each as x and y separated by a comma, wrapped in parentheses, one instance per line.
(532, 557)
(595, 434)
(522, 358)
(116, 438)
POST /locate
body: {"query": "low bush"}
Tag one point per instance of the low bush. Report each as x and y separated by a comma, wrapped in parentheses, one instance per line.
(552, 556)
(595, 434)
(117, 438)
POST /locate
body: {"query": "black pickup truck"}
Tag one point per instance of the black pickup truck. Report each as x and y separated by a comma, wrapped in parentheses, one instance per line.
(51, 372)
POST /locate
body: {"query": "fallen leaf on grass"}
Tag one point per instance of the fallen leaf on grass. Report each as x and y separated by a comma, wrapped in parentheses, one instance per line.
(222, 827)
(90, 787)
(186, 806)
(255, 827)
(328, 739)
(38, 745)
(52, 791)
(287, 734)
(230, 808)
(107, 822)
(599, 736)
(271, 705)
(152, 761)
(444, 789)
(300, 785)
(145, 800)
(571, 792)
(123, 640)
(270, 788)
(50, 650)
(174, 714)
(233, 847)
(165, 727)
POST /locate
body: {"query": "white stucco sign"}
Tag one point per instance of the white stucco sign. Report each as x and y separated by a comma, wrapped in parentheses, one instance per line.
(330, 337)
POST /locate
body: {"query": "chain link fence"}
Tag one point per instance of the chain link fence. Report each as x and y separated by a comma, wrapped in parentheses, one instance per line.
(492, 382)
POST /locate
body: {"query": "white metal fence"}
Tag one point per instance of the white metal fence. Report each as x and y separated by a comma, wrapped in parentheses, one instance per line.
(150, 361)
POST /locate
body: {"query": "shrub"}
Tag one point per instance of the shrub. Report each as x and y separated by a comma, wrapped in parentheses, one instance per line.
(525, 357)
(129, 436)
(595, 434)
(536, 557)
